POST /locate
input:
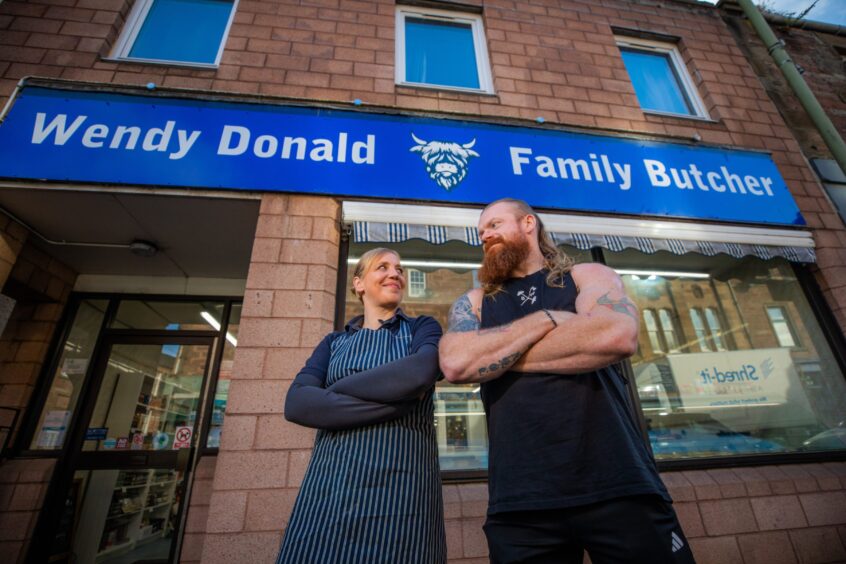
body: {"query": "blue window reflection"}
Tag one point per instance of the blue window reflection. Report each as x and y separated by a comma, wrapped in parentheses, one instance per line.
(440, 53)
(655, 82)
(182, 30)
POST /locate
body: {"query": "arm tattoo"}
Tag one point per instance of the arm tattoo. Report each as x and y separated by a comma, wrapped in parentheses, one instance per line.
(461, 316)
(624, 305)
(501, 366)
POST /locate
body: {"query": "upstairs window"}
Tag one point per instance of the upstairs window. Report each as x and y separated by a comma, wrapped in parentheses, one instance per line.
(659, 77)
(781, 326)
(416, 283)
(441, 49)
(189, 32)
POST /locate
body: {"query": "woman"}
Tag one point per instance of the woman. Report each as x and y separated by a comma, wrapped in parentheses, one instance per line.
(372, 491)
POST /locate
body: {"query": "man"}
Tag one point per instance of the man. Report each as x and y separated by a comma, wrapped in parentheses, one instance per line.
(569, 470)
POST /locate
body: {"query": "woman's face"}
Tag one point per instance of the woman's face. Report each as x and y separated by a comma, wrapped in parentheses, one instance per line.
(383, 284)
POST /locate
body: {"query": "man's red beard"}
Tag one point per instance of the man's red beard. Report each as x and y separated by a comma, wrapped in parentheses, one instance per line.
(499, 263)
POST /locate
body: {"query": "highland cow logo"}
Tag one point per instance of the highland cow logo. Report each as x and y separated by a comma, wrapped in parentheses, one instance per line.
(446, 163)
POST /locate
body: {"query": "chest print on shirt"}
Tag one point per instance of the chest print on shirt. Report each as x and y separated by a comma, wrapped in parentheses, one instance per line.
(527, 298)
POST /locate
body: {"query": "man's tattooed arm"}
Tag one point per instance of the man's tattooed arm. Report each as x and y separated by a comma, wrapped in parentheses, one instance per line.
(463, 319)
(495, 369)
(622, 305)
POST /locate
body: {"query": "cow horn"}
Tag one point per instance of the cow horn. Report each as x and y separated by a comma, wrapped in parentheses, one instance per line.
(418, 140)
(470, 144)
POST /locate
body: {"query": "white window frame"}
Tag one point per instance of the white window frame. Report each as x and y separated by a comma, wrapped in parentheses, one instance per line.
(483, 66)
(133, 26)
(685, 81)
(414, 292)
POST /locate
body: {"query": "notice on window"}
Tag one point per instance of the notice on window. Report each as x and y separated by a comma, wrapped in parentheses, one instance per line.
(760, 377)
(182, 438)
(53, 428)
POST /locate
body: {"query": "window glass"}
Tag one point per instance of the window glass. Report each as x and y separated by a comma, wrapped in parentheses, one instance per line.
(699, 328)
(715, 328)
(416, 283)
(221, 393)
(749, 393)
(459, 414)
(69, 376)
(780, 326)
(439, 52)
(188, 31)
(171, 316)
(668, 328)
(652, 330)
(655, 81)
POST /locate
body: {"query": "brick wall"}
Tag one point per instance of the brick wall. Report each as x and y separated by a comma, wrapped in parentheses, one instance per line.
(288, 307)
(198, 511)
(23, 484)
(555, 59)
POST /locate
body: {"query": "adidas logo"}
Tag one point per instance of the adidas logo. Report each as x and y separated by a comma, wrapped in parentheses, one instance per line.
(678, 543)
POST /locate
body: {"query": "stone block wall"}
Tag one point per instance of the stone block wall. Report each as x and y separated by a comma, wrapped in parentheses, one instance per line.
(288, 307)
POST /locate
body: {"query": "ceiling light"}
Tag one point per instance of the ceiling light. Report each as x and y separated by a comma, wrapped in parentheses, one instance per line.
(143, 248)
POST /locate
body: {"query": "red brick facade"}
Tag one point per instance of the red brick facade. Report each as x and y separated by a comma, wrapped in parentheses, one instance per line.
(555, 59)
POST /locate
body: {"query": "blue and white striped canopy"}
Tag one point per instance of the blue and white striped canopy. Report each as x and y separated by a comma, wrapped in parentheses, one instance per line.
(378, 232)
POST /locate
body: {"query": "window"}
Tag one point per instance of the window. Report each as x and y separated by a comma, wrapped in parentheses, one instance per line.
(659, 77)
(441, 49)
(699, 329)
(736, 383)
(416, 283)
(715, 328)
(668, 328)
(176, 31)
(781, 327)
(652, 330)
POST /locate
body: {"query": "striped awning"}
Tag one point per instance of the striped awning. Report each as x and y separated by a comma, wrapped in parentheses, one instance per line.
(614, 234)
(378, 232)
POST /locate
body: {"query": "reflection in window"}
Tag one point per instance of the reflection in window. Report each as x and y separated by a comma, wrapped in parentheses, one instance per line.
(652, 330)
(221, 393)
(443, 49)
(699, 329)
(668, 329)
(739, 384)
(781, 328)
(176, 31)
(416, 283)
(70, 373)
(715, 328)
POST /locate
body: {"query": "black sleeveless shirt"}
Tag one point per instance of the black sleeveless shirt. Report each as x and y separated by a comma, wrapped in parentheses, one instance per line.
(559, 440)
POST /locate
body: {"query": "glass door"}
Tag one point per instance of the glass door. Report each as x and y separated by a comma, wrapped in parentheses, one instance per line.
(125, 499)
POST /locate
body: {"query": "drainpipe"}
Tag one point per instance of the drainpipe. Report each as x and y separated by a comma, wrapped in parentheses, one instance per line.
(797, 83)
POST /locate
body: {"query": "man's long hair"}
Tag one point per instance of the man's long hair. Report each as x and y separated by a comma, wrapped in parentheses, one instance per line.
(554, 259)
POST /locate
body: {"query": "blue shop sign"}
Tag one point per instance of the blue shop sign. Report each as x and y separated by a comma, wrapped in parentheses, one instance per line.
(84, 136)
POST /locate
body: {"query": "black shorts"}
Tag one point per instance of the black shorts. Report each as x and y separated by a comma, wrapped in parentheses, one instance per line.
(634, 530)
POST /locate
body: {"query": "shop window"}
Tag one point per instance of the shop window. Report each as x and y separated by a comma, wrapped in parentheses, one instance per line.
(781, 326)
(221, 393)
(176, 31)
(441, 49)
(660, 79)
(748, 390)
(450, 270)
(416, 283)
(69, 376)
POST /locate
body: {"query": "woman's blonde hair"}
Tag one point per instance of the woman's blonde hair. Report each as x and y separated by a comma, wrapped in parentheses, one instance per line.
(554, 259)
(365, 263)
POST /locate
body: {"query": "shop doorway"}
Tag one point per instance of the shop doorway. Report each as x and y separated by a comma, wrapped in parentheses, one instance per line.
(129, 481)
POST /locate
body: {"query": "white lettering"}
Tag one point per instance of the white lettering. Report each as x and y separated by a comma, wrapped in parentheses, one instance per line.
(185, 143)
(625, 172)
(120, 132)
(92, 135)
(225, 146)
(265, 146)
(158, 139)
(518, 160)
(657, 173)
(40, 133)
(546, 168)
(369, 149)
(322, 150)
